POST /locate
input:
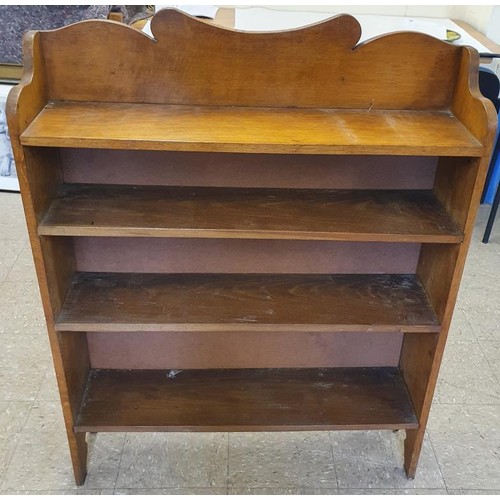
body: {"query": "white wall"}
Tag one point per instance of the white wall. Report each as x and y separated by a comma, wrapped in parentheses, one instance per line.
(477, 16)
(493, 31)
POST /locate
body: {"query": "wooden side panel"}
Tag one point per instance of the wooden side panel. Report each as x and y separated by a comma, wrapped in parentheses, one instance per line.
(439, 270)
(459, 186)
(44, 177)
(74, 352)
(28, 98)
(196, 63)
(475, 111)
(417, 355)
(59, 267)
(436, 270)
(454, 186)
(39, 177)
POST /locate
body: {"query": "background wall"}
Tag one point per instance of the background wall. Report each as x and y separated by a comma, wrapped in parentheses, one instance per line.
(493, 31)
(479, 16)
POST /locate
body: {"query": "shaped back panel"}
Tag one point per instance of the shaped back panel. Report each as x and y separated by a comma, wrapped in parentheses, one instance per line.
(193, 62)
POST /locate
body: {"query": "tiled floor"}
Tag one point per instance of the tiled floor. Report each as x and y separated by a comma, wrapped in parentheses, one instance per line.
(461, 453)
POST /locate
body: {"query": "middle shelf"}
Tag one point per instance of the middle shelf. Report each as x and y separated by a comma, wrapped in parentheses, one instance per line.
(113, 302)
(252, 213)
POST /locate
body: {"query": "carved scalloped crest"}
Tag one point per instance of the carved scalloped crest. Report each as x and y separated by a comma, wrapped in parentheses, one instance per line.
(198, 63)
(345, 27)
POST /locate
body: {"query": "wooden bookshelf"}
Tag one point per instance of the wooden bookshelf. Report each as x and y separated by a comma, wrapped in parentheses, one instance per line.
(256, 261)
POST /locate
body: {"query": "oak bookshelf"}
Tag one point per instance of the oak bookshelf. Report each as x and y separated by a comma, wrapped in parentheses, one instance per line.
(235, 245)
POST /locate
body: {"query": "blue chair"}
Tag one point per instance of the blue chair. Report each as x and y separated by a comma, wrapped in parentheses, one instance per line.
(489, 85)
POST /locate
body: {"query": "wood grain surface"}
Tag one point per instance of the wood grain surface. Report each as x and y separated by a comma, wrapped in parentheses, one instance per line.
(250, 302)
(246, 130)
(441, 268)
(39, 177)
(353, 215)
(246, 400)
(193, 62)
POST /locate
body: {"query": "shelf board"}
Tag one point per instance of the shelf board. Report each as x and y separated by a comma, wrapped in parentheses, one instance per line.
(251, 302)
(206, 212)
(245, 400)
(250, 130)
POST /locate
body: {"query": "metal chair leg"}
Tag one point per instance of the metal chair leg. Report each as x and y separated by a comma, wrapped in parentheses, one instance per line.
(492, 216)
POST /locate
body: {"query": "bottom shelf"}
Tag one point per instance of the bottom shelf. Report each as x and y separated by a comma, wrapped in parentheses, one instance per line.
(246, 400)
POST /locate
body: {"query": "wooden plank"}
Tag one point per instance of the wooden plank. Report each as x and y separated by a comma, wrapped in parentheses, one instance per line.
(473, 110)
(440, 267)
(415, 363)
(39, 176)
(454, 186)
(246, 130)
(436, 268)
(76, 360)
(246, 400)
(250, 302)
(300, 214)
(197, 63)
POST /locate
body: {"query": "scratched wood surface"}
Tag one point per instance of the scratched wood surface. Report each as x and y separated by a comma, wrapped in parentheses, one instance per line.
(441, 267)
(192, 62)
(203, 302)
(39, 177)
(371, 215)
(246, 130)
(246, 400)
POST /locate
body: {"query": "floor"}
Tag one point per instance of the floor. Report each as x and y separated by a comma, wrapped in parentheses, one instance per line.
(461, 453)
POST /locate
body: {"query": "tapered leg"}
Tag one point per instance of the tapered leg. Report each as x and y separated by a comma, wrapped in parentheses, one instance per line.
(78, 451)
(72, 366)
(491, 218)
(413, 445)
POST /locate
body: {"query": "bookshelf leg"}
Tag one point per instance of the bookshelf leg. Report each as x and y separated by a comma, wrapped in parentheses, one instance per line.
(78, 450)
(413, 445)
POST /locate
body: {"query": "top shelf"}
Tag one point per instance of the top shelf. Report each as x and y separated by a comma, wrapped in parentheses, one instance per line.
(248, 130)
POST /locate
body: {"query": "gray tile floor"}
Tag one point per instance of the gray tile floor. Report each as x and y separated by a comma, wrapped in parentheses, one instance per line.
(461, 453)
